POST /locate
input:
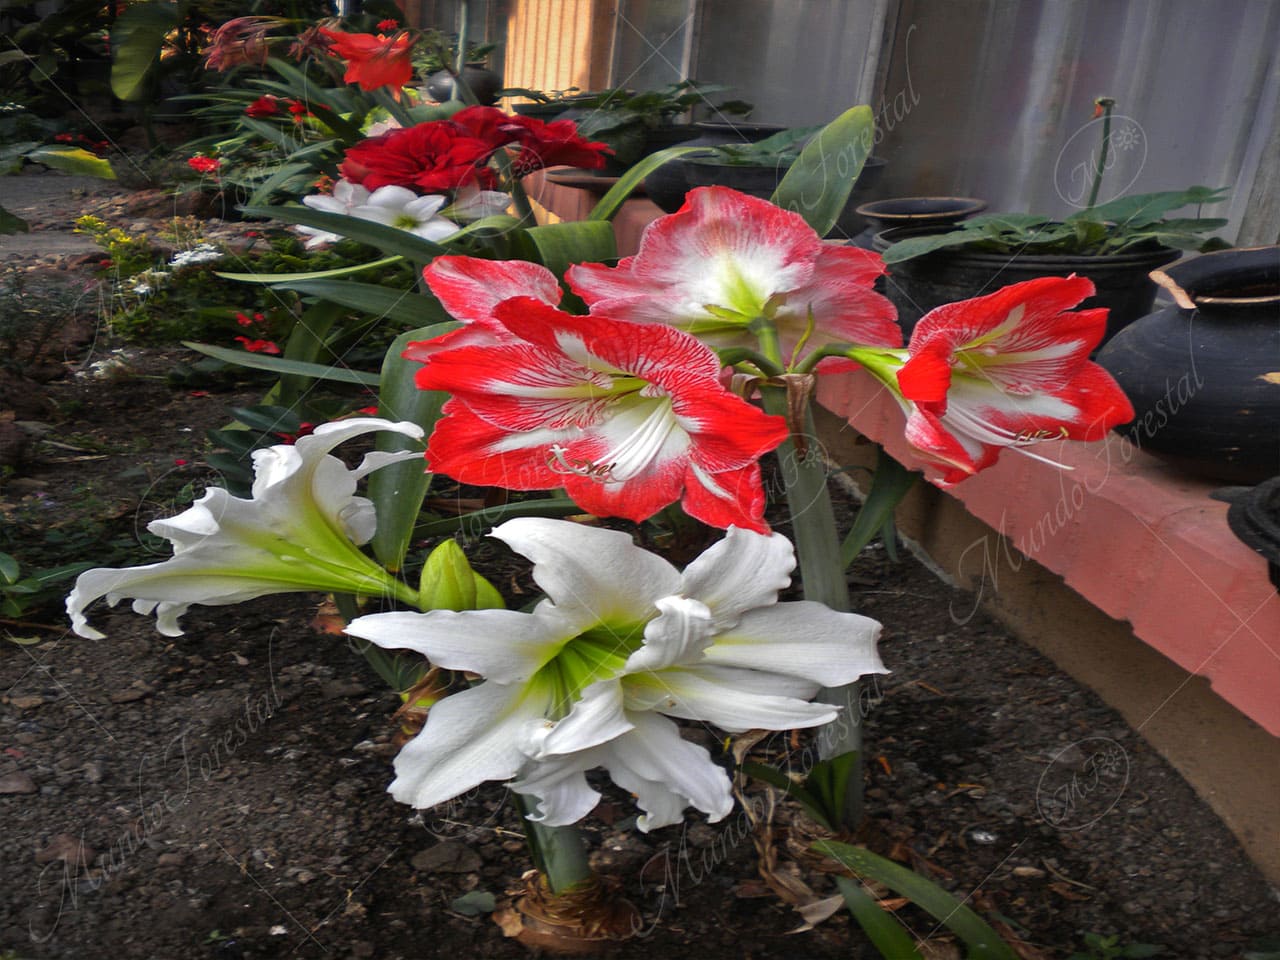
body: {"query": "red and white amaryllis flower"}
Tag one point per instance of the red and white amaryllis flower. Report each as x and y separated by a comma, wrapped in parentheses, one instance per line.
(724, 260)
(628, 418)
(1010, 369)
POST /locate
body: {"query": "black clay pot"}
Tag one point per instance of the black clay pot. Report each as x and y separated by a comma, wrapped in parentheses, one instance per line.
(1204, 374)
(920, 211)
(667, 185)
(918, 285)
(1254, 517)
(484, 83)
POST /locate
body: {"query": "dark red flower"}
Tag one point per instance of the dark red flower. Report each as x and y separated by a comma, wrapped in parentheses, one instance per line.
(65, 138)
(434, 157)
(239, 41)
(385, 26)
(264, 106)
(373, 60)
(552, 144)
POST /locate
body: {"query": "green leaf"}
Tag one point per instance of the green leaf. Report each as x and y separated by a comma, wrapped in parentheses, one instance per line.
(819, 182)
(282, 176)
(890, 483)
(399, 305)
(390, 240)
(580, 241)
(882, 928)
(305, 344)
(8, 568)
(474, 903)
(799, 792)
(481, 521)
(280, 365)
(397, 491)
(1141, 209)
(73, 160)
(282, 278)
(64, 572)
(828, 781)
(918, 246)
(612, 201)
(983, 942)
(11, 223)
(137, 37)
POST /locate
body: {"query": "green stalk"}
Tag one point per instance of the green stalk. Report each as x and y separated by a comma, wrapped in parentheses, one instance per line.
(559, 853)
(822, 576)
(1106, 103)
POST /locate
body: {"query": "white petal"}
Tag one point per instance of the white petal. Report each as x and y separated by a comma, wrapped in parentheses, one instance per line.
(594, 719)
(743, 571)
(501, 645)
(734, 700)
(802, 639)
(666, 773)
(678, 635)
(589, 573)
(470, 737)
(561, 789)
(391, 197)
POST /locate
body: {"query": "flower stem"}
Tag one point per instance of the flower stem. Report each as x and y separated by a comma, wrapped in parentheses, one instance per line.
(559, 853)
(813, 525)
(1105, 104)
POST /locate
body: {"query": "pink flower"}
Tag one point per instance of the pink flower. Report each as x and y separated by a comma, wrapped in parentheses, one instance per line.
(725, 260)
(1010, 369)
(628, 418)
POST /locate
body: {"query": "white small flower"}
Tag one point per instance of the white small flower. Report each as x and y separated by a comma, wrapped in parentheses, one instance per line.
(345, 197)
(403, 209)
(300, 532)
(202, 253)
(622, 642)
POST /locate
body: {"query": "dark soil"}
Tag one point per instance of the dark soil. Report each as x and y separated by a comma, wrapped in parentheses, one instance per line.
(222, 795)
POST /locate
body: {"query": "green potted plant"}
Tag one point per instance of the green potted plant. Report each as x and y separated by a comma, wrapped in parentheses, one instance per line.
(1114, 244)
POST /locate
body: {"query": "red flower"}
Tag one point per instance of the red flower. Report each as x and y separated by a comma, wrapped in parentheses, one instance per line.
(627, 417)
(373, 61)
(239, 41)
(384, 26)
(264, 106)
(552, 144)
(203, 164)
(243, 320)
(1010, 369)
(258, 346)
(434, 157)
(65, 138)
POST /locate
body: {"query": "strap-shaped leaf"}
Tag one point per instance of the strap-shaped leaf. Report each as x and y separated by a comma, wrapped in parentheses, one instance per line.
(283, 278)
(397, 491)
(612, 201)
(881, 927)
(889, 484)
(581, 241)
(819, 183)
(73, 160)
(11, 223)
(280, 365)
(389, 240)
(399, 305)
(983, 942)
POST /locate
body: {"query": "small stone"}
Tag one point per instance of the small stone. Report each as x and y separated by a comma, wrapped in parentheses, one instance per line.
(301, 875)
(19, 782)
(447, 857)
(135, 691)
(27, 703)
(1028, 872)
(65, 847)
(93, 771)
(340, 689)
(171, 859)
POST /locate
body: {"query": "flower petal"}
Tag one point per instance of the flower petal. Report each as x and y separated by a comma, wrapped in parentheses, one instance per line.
(594, 719)
(742, 571)
(679, 634)
(501, 645)
(470, 737)
(598, 572)
(801, 639)
(732, 699)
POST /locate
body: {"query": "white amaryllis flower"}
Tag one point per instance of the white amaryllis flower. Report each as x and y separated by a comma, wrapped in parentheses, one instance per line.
(301, 531)
(346, 196)
(403, 209)
(622, 639)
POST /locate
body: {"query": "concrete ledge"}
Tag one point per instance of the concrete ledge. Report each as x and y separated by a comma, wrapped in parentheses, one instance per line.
(1137, 540)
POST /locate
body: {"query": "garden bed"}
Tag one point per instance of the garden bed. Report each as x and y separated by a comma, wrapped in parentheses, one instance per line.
(222, 794)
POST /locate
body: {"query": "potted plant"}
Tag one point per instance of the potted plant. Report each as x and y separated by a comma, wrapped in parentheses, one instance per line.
(435, 59)
(1114, 244)
(638, 124)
